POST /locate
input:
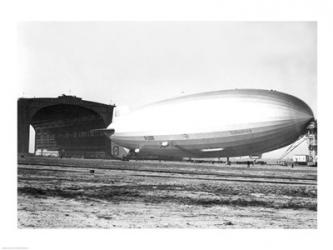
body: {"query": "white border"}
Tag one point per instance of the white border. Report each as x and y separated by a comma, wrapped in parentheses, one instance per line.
(12, 12)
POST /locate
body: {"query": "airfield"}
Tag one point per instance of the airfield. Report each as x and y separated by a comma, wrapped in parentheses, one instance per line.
(84, 193)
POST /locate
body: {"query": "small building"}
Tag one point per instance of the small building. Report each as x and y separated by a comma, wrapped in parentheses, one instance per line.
(300, 159)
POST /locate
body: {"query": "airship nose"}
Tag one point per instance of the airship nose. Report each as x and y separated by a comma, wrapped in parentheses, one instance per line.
(302, 110)
(301, 113)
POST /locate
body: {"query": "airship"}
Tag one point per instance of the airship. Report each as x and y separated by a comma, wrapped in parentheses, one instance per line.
(226, 123)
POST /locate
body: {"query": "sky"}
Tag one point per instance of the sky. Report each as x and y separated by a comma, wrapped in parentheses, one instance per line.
(135, 63)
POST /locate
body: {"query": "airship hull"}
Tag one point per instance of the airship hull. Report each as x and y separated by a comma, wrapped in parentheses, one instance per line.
(214, 124)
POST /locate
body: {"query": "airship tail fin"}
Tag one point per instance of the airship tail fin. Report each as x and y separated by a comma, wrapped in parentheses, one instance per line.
(107, 132)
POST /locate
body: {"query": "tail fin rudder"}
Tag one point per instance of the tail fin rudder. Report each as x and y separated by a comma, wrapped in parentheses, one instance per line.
(105, 131)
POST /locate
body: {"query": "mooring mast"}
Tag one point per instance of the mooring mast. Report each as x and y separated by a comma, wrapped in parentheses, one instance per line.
(312, 142)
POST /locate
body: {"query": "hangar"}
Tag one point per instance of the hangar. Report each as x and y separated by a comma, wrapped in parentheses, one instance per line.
(64, 126)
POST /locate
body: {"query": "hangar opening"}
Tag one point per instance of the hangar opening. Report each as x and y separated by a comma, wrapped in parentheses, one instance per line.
(64, 127)
(66, 130)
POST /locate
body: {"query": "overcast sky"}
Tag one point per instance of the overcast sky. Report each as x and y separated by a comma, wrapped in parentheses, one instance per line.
(135, 63)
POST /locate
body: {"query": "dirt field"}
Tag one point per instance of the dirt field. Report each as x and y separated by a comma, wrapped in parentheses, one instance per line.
(78, 193)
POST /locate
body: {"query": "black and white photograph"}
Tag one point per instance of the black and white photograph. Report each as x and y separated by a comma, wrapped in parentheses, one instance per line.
(167, 125)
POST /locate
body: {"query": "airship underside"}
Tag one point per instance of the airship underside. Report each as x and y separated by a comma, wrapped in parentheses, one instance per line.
(224, 123)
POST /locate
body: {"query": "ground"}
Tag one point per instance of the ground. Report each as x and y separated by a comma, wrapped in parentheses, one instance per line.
(80, 193)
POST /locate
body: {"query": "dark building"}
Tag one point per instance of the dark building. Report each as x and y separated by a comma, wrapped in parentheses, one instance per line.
(64, 126)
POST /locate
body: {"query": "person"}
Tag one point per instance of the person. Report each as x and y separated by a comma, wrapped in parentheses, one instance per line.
(62, 152)
(248, 164)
